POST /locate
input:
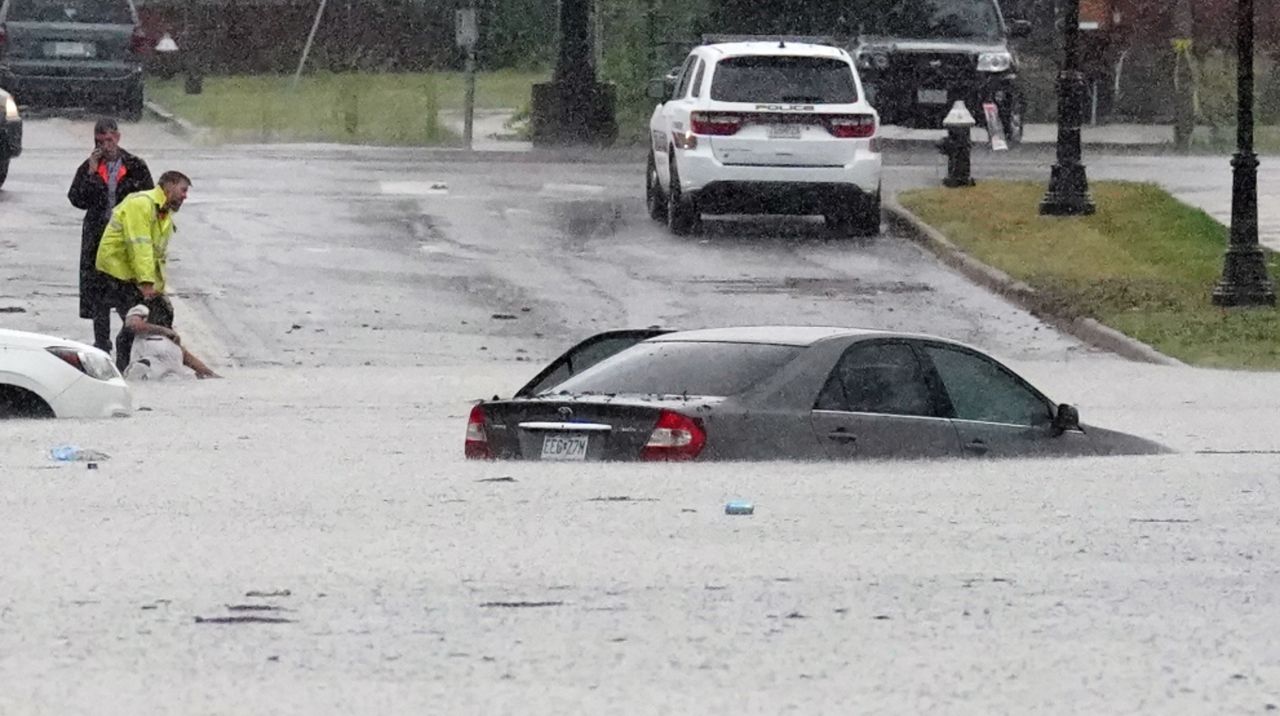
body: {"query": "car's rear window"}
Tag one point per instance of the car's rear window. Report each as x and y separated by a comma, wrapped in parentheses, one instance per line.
(809, 80)
(682, 368)
(107, 12)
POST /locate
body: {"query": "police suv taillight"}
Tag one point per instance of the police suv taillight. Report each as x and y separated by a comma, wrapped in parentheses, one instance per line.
(851, 126)
(715, 124)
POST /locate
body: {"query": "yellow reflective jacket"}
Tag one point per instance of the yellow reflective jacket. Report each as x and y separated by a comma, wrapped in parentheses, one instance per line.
(135, 243)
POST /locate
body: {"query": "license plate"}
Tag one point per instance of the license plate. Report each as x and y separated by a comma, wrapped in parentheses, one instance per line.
(564, 447)
(784, 131)
(69, 49)
(931, 96)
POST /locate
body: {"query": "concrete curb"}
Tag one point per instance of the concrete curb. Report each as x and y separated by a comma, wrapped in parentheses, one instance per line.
(176, 123)
(901, 220)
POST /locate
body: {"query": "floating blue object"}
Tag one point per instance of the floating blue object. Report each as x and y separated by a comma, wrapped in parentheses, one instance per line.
(739, 507)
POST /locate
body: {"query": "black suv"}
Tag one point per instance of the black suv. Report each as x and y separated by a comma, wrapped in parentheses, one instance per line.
(73, 52)
(917, 57)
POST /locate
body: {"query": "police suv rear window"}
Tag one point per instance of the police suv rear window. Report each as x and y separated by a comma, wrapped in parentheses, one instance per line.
(807, 80)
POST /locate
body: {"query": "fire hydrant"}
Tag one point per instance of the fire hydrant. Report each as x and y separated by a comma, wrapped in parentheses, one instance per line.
(957, 146)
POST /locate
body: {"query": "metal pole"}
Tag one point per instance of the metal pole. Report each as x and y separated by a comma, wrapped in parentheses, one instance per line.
(1244, 271)
(1068, 193)
(306, 49)
(468, 122)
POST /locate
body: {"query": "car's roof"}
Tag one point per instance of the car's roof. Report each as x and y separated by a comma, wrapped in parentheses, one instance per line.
(775, 335)
(774, 48)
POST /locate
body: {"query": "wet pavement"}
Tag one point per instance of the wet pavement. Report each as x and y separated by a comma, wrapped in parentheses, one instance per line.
(304, 536)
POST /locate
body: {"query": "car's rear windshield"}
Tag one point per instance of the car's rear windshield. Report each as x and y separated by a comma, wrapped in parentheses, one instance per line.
(773, 80)
(106, 12)
(682, 368)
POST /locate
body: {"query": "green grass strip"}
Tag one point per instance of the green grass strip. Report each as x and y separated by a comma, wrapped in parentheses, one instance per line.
(1145, 264)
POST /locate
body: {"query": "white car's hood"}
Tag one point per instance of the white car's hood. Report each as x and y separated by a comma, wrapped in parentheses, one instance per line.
(37, 341)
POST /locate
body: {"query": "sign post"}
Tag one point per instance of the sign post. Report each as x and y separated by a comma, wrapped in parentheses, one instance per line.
(467, 34)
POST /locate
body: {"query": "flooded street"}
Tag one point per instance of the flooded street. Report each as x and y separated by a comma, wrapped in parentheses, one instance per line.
(306, 537)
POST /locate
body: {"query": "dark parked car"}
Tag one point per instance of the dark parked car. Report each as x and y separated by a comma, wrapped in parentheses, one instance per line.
(917, 57)
(10, 133)
(764, 393)
(73, 53)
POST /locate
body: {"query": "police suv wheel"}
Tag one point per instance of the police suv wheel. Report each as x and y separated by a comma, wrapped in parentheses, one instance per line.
(654, 198)
(682, 213)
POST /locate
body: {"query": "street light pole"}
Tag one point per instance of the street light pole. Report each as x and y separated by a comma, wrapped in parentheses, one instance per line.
(1068, 193)
(1244, 269)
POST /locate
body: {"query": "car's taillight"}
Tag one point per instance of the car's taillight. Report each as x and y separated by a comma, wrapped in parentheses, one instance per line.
(138, 42)
(477, 444)
(716, 124)
(675, 437)
(851, 126)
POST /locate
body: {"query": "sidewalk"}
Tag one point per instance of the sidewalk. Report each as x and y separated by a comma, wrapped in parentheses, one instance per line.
(1119, 137)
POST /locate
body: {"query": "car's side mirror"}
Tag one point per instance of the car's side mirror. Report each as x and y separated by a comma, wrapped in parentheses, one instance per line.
(1066, 418)
(659, 89)
(1019, 28)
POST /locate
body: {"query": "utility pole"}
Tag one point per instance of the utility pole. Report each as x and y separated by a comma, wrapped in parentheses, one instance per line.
(468, 33)
(1184, 113)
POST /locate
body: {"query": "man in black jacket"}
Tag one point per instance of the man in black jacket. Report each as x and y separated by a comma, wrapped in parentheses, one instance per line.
(102, 181)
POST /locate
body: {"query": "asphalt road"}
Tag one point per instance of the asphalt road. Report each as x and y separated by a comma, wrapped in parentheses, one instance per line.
(350, 296)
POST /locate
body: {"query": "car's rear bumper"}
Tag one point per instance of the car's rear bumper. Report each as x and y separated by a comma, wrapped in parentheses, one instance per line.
(91, 398)
(10, 139)
(770, 197)
(721, 188)
(58, 82)
(897, 102)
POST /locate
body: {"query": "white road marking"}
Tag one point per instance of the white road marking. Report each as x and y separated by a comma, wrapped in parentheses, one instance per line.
(571, 189)
(415, 188)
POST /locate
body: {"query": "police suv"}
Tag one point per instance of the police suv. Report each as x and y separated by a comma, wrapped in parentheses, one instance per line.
(765, 126)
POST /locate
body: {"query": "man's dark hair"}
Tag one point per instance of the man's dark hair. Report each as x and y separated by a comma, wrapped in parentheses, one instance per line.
(106, 124)
(172, 177)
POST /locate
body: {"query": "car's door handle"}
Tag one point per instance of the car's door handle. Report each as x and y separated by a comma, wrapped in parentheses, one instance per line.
(977, 447)
(842, 436)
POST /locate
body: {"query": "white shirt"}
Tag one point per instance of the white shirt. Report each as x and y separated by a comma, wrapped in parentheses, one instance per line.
(153, 356)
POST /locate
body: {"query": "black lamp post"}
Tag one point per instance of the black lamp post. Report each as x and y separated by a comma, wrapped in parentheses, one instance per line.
(1244, 269)
(1068, 193)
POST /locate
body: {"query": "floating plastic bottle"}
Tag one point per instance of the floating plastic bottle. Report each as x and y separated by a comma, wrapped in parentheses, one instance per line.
(71, 453)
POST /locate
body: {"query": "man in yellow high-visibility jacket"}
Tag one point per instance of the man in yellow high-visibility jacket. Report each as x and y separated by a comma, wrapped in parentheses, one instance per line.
(135, 247)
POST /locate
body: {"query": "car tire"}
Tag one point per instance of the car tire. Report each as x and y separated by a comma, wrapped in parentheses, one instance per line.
(132, 109)
(4, 170)
(682, 212)
(862, 219)
(654, 198)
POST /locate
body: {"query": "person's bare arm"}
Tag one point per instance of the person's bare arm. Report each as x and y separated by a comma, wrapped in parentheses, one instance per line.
(139, 327)
(191, 361)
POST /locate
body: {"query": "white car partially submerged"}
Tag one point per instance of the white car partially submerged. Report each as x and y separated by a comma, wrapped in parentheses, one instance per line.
(44, 377)
(765, 127)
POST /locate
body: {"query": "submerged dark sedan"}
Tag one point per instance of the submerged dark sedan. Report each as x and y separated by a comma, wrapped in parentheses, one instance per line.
(767, 393)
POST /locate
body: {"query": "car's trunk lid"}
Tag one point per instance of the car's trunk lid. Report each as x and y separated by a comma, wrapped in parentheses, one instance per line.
(586, 428)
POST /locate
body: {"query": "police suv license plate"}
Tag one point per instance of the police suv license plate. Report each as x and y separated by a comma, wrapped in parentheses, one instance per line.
(564, 447)
(931, 96)
(784, 131)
